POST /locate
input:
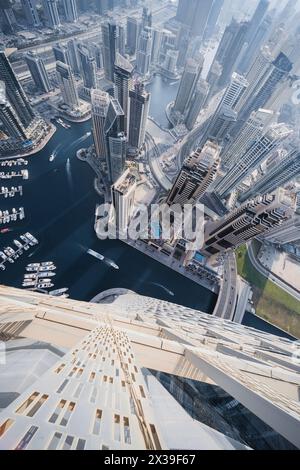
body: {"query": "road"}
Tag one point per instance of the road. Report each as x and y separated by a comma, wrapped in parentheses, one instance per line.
(225, 306)
(264, 272)
(153, 155)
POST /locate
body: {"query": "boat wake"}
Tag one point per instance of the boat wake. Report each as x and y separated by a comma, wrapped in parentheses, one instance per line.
(69, 174)
(168, 291)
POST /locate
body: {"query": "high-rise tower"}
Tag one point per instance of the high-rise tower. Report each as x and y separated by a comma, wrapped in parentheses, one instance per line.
(71, 13)
(14, 91)
(88, 67)
(282, 170)
(143, 55)
(139, 109)
(32, 17)
(132, 34)
(187, 86)
(110, 47)
(250, 160)
(51, 13)
(38, 72)
(67, 84)
(116, 140)
(253, 218)
(11, 123)
(123, 83)
(197, 103)
(100, 103)
(196, 175)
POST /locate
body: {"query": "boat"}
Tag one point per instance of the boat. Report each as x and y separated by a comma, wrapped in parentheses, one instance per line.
(44, 285)
(5, 230)
(46, 274)
(48, 268)
(63, 124)
(95, 254)
(47, 263)
(58, 292)
(30, 276)
(51, 158)
(31, 239)
(28, 284)
(102, 258)
(31, 269)
(18, 244)
(33, 265)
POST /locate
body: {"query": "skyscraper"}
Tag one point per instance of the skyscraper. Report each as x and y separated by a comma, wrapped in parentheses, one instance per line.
(169, 64)
(195, 14)
(96, 52)
(38, 72)
(253, 218)
(110, 47)
(251, 130)
(31, 13)
(73, 55)
(88, 67)
(287, 232)
(71, 13)
(183, 41)
(281, 170)
(196, 175)
(61, 53)
(132, 34)
(139, 109)
(51, 13)
(7, 17)
(67, 85)
(258, 40)
(11, 123)
(197, 103)
(250, 160)
(121, 40)
(143, 55)
(220, 125)
(233, 50)
(146, 18)
(102, 6)
(213, 78)
(234, 91)
(260, 91)
(100, 103)
(156, 44)
(116, 140)
(229, 49)
(122, 195)
(187, 86)
(213, 18)
(123, 83)
(225, 116)
(256, 19)
(14, 91)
